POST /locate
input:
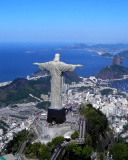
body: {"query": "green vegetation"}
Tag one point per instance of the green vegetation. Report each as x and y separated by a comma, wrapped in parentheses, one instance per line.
(77, 152)
(84, 88)
(71, 77)
(37, 150)
(43, 105)
(18, 91)
(115, 68)
(97, 124)
(75, 135)
(106, 92)
(101, 155)
(3, 126)
(119, 151)
(120, 69)
(14, 144)
(126, 128)
(55, 142)
(42, 152)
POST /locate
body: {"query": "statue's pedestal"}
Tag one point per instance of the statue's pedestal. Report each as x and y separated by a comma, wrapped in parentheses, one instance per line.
(56, 115)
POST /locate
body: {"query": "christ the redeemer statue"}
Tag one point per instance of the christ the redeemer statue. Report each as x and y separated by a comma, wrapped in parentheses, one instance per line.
(56, 68)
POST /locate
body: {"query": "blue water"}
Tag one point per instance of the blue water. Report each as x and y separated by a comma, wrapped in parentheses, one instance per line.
(14, 62)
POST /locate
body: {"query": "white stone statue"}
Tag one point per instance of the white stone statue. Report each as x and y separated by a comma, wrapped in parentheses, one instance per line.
(56, 69)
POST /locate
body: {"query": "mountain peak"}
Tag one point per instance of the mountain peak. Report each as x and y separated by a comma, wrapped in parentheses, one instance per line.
(117, 60)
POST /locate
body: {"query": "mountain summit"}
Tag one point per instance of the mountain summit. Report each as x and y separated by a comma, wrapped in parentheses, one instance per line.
(114, 71)
(117, 60)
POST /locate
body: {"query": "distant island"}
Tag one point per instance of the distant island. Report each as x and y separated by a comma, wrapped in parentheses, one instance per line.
(29, 51)
(114, 71)
(124, 54)
(99, 48)
(107, 55)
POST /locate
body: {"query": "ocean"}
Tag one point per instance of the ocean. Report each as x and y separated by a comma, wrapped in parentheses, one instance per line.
(16, 59)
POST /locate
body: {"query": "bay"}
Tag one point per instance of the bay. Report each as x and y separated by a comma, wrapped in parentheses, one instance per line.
(16, 59)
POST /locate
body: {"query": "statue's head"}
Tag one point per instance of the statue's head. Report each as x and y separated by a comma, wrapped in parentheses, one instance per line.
(57, 57)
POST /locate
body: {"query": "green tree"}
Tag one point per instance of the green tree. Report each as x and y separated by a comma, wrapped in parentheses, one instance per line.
(119, 151)
(87, 152)
(58, 140)
(78, 152)
(75, 135)
(97, 123)
(106, 91)
(14, 144)
(88, 140)
(37, 150)
(70, 153)
(101, 156)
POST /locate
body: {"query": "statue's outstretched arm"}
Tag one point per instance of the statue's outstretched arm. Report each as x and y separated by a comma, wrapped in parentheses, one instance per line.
(79, 65)
(36, 64)
(43, 66)
(68, 67)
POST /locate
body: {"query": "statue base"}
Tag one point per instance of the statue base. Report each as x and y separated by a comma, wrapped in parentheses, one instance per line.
(56, 115)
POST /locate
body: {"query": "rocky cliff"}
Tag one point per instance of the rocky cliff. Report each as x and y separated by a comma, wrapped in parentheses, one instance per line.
(117, 61)
(105, 142)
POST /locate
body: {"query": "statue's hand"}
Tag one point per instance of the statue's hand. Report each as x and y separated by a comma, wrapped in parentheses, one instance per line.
(79, 65)
(35, 63)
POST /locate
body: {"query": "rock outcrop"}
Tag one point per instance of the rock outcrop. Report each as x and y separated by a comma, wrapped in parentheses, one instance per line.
(105, 142)
(117, 61)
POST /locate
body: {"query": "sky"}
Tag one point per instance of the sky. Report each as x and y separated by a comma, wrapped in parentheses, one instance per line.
(82, 21)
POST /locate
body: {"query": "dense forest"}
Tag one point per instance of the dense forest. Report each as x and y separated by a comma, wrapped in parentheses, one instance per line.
(14, 144)
(18, 91)
(97, 124)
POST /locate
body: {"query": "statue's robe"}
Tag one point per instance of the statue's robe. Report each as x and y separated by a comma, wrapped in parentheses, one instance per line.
(56, 69)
